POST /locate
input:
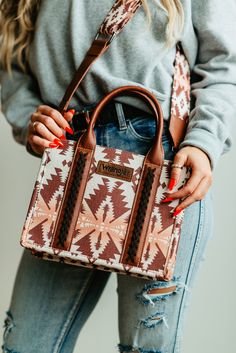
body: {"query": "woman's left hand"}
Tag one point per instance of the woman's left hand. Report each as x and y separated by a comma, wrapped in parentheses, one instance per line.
(200, 180)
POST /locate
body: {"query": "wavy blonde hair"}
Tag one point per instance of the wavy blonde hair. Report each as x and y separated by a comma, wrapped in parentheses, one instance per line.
(18, 19)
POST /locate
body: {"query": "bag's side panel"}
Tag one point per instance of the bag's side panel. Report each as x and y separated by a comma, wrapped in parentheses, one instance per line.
(159, 252)
(34, 198)
(102, 223)
(39, 225)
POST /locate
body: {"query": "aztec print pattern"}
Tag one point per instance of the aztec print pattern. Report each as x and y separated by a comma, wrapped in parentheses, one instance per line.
(106, 207)
(102, 222)
(163, 235)
(180, 102)
(47, 195)
(118, 16)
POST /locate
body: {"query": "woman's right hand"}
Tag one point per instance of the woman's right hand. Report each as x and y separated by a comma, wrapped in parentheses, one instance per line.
(46, 128)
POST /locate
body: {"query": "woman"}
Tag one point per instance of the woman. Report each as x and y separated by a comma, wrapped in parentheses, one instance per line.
(43, 42)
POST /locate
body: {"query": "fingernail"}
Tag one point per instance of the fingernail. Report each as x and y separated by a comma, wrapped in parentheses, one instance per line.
(62, 137)
(53, 145)
(167, 199)
(172, 184)
(177, 212)
(69, 130)
(72, 111)
(58, 142)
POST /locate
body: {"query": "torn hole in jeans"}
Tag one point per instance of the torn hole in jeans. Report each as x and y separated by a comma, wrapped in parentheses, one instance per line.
(8, 325)
(154, 320)
(156, 291)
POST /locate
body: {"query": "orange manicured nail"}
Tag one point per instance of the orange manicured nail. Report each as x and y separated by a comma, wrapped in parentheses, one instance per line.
(69, 130)
(53, 145)
(177, 212)
(172, 184)
(58, 142)
(167, 199)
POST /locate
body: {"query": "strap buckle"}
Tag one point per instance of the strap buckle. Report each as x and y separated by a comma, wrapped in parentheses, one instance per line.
(109, 37)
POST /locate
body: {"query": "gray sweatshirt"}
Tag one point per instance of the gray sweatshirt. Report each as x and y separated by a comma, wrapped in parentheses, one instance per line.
(65, 30)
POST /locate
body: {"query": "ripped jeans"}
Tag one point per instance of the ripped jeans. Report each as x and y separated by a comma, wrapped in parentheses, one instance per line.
(51, 301)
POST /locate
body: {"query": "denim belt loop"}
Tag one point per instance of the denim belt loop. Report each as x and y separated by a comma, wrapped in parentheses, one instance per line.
(120, 116)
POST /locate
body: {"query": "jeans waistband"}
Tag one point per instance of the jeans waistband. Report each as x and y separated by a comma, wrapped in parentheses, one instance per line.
(114, 112)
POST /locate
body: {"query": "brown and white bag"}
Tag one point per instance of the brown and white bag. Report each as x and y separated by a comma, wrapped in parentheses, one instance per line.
(101, 207)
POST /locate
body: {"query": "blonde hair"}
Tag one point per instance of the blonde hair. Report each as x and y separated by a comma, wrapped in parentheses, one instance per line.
(18, 20)
(175, 13)
(17, 26)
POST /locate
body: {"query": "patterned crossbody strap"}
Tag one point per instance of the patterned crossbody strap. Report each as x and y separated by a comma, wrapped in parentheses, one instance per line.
(180, 97)
(119, 15)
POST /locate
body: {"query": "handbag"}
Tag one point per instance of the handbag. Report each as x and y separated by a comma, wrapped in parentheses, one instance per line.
(100, 207)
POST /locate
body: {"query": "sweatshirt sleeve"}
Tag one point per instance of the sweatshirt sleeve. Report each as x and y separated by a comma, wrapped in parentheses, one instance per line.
(214, 78)
(20, 97)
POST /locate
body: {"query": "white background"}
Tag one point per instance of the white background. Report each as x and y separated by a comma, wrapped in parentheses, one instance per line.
(211, 317)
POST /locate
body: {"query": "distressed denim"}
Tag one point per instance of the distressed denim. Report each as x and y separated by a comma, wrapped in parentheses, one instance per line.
(51, 301)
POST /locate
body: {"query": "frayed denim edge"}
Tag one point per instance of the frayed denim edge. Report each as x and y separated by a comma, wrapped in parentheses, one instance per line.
(127, 348)
(145, 298)
(7, 350)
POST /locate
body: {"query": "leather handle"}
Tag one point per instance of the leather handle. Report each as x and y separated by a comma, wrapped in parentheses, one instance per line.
(155, 155)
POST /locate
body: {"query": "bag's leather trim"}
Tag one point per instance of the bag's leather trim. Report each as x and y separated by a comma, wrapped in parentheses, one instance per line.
(155, 155)
(77, 201)
(141, 214)
(125, 257)
(70, 205)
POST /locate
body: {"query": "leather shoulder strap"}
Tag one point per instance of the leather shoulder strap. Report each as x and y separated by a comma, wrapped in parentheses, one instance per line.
(119, 15)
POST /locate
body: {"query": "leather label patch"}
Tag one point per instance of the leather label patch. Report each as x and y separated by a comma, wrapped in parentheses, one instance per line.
(115, 170)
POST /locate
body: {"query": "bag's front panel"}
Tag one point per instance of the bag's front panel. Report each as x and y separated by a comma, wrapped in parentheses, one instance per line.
(47, 196)
(102, 223)
(105, 213)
